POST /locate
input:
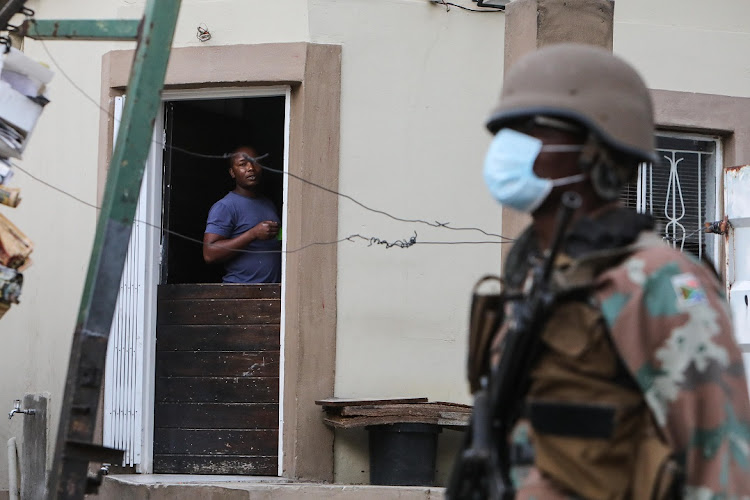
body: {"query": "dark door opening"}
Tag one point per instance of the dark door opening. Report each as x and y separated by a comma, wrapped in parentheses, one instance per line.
(216, 394)
(192, 184)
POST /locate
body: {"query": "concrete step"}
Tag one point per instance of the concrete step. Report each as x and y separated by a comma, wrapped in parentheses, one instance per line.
(163, 487)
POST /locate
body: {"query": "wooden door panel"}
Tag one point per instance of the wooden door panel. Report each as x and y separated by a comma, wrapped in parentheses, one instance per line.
(217, 379)
(218, 442)
(218, 311)
(217, 389)
(219, 337)
(212, 464)
(217, 364)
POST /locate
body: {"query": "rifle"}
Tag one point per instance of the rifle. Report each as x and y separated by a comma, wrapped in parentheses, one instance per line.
(482, 469)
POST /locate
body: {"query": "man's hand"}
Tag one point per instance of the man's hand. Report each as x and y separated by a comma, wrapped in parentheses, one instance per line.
(266, 230)
(217, 248)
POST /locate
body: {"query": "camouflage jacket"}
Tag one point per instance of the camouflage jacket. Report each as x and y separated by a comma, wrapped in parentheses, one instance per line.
(668, 323)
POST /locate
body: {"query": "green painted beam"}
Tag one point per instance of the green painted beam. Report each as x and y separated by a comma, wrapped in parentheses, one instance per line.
(81, 29)
(68, 478)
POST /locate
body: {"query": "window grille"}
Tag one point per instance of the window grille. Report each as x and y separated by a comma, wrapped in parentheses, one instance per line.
(679, 190)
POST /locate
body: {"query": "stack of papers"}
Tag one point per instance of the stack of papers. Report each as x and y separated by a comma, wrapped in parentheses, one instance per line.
(11, 140)
(25, 75)
(22, 85)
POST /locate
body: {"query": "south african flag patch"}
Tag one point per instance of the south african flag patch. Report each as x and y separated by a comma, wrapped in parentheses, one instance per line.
(688, 290)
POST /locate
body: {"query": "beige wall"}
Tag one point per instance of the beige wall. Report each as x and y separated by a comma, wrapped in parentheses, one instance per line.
(688, 45)
(417, 84)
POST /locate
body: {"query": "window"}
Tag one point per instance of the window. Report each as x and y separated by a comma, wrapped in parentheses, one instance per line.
(680, 191)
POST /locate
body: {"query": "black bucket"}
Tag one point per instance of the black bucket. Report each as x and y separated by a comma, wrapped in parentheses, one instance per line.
(403, 454)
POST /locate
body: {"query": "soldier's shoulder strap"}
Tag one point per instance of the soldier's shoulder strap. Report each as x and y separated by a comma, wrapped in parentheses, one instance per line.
(582, 272)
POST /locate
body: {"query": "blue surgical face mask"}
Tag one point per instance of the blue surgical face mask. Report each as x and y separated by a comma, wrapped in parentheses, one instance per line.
(509, 170)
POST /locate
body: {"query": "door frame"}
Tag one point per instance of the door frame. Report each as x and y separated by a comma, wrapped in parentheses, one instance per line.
(313, 71)
(154, 190)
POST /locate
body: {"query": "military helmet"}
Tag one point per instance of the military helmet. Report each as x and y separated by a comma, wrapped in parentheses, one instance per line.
(584, 84)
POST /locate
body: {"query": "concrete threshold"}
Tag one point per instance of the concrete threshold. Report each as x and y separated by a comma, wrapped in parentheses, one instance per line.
(185, 487)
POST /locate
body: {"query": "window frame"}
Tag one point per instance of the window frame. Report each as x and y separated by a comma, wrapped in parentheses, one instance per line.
(712, 203)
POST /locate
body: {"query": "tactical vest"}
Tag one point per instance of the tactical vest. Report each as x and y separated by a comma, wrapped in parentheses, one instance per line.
(591, 430)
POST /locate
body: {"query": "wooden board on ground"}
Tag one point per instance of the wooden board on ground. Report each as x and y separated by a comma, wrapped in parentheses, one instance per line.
(340, 422)
(367, 401)
(413, 410)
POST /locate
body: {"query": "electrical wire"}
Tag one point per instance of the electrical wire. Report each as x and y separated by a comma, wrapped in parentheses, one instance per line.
(684, 238)
(436, 224)
(352, 237)
(447, 8)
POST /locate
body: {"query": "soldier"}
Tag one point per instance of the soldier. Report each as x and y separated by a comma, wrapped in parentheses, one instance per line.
(637, 390)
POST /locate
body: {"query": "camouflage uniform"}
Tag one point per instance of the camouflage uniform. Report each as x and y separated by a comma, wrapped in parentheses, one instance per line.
(649, 347)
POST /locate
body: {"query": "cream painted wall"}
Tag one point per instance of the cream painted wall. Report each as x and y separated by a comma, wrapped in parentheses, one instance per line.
(63, 151)
(417, 84)
(689, 46)
(235, 22)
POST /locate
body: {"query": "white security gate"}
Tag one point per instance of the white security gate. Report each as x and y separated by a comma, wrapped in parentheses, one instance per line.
(737, 208)
(124, 373)
(123, 402)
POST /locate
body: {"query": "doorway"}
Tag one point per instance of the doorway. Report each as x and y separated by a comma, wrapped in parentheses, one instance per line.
(193, 183)
(192, 385)
(216, 394)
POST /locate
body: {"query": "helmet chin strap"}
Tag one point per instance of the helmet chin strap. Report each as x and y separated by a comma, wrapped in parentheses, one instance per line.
(571, 179)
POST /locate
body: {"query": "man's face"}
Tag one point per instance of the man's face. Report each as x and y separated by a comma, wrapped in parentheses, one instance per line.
(246, 172)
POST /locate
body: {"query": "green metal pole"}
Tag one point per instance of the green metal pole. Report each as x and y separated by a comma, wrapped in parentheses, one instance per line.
(68, 477)
(81, 29)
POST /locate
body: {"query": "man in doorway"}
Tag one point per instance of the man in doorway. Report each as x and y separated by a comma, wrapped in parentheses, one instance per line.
(242, 228)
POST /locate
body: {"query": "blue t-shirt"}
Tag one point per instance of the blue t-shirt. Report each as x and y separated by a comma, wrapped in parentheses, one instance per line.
(233, 215)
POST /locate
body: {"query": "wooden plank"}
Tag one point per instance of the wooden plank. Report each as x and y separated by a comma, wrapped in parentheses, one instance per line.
(217, 364)
(217, 390)
(427, 410)
(216, 415)
(353, 422)
(367, 401)
(219, 291)
(218, 312)
(457, 405)
(236, 465)
(218, 337)
(215, 442)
